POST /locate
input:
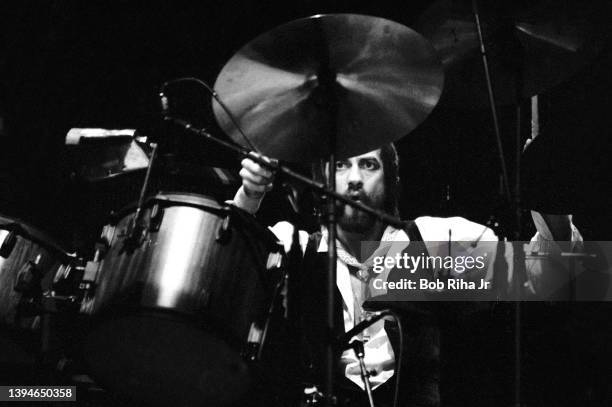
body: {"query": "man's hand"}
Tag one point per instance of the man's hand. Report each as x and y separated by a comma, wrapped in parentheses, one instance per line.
(256, 179)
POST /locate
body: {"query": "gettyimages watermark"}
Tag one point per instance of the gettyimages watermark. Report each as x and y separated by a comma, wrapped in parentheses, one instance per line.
(487, 271)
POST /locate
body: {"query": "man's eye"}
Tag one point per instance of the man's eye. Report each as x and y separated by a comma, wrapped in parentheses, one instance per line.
(369, 165)
(341, 165)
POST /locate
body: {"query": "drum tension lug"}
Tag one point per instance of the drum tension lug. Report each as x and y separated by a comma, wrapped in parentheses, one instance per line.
(8, 244)
(101, 248)
(155, 218)
(223, 231)
(87, 285)
(136, 234)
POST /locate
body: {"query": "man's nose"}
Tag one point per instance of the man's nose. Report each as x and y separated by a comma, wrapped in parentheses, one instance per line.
(355, 180)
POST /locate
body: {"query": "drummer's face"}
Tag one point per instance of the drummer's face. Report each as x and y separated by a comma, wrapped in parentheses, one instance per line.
(360, 178)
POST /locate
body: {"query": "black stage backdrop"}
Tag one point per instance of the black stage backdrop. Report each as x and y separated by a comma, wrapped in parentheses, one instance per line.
(70, 64)
(67, 64)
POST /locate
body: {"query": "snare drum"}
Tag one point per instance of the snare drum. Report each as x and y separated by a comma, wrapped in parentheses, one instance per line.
(29, 261)
(176, 305)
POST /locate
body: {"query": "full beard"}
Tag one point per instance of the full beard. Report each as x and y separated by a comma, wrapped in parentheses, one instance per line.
(354, 220)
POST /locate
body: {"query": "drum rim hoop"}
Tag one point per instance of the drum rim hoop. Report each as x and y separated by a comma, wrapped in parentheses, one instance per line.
(198, 201)
(36, 235)
(169, 199)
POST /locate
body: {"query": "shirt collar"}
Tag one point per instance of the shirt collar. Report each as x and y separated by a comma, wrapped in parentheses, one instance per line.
(390, 234)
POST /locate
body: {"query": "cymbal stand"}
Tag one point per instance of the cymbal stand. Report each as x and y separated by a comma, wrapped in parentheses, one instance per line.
(330, 287)
(493, 105)
(328, 102)
(327, 191)
(513, 201)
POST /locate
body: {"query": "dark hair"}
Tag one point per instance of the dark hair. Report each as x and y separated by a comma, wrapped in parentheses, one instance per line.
(390, 163)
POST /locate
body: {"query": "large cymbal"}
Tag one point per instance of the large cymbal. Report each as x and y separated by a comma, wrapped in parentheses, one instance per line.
(384, 77)
(532, 46)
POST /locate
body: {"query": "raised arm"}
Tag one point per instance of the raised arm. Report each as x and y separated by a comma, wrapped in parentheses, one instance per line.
(256, 181)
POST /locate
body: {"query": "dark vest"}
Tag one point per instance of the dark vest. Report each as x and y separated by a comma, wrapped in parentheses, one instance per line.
(312, 305)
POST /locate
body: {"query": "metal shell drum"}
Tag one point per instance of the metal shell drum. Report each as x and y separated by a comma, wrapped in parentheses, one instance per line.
(173, 306)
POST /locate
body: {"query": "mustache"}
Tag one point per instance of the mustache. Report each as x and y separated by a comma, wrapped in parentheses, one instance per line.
(359, 195)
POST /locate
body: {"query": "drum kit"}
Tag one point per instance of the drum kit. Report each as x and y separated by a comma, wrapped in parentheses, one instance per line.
(174, 304)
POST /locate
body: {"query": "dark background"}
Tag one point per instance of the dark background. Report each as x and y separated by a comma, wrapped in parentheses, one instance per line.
(67, 64)
(70, 64)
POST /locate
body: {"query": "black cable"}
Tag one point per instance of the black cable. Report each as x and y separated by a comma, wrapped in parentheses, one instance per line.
(398, 321)
(215, 97)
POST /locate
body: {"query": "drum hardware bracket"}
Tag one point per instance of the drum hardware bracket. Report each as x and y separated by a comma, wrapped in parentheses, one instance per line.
(224, 232)
(135, 236)
(87, 286)
(51, 295)
(256, 338)
(155, 218)
(254, 342)
(88, 283)
(312, 396)
(67, 282)
(101, 248)
(29, 278)
(28, 283)
(136, 230)
(62, 273)
(88, 289)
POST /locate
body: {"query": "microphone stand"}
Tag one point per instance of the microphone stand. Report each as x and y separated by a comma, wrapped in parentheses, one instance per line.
(344, 341)
(365, 375)
(136, 228)
(327, 102)
(327, 191)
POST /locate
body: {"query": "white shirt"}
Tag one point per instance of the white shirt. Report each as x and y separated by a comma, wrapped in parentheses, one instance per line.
(379, 356)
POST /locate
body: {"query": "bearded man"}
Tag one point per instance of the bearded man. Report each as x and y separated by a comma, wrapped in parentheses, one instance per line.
(371, 178)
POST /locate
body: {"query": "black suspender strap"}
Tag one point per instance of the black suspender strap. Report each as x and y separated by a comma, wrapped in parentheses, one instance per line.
(413, 232)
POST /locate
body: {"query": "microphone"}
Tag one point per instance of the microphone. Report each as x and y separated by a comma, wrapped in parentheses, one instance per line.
(343, 340)
(215, 96)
